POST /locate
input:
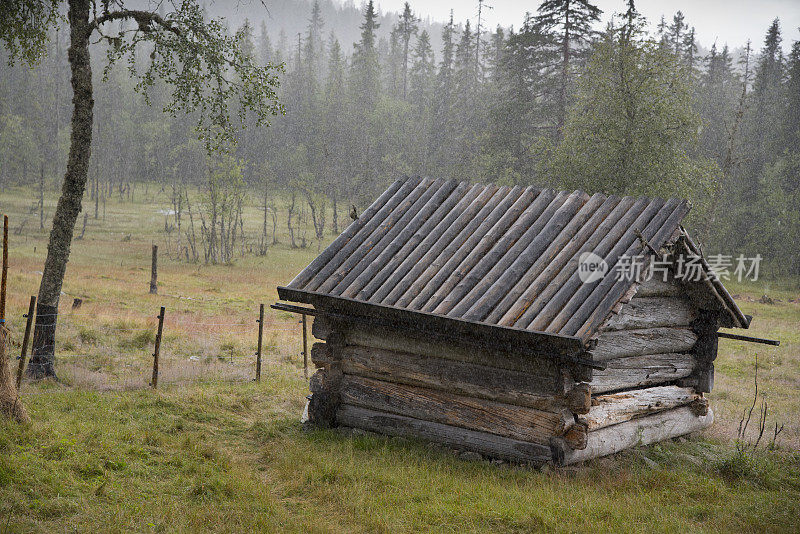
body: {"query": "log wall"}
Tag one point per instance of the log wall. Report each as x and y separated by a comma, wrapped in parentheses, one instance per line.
(520, 407)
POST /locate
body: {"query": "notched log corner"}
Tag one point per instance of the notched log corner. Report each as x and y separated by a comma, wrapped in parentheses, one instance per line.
(576, 436)
(579, 398)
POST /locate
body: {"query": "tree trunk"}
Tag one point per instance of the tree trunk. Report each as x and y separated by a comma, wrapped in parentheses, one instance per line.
(334, 200)
(42, 362)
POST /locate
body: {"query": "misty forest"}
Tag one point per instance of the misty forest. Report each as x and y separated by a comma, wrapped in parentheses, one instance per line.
(636, 108)
(316, 265)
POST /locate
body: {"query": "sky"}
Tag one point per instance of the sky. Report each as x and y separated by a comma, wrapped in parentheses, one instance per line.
(726, 21)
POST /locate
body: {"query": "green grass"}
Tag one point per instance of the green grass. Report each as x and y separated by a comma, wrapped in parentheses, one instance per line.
(211, 450)
(232, 458)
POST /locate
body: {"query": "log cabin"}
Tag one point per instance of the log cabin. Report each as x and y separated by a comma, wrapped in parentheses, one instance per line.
(459, 313)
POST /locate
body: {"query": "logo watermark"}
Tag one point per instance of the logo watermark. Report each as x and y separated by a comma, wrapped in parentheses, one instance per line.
(689, 268)
(591, 267)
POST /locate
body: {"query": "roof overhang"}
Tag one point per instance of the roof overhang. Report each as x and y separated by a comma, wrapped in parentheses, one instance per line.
(569, 349)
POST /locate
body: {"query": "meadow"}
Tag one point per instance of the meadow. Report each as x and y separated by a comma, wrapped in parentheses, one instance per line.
(212, 450)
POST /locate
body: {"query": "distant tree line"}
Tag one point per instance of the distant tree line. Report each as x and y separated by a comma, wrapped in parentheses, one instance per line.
(627, 110)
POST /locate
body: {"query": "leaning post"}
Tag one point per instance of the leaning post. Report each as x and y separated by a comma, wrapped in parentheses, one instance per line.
(260, 340)
(25, 340)
(154, 381)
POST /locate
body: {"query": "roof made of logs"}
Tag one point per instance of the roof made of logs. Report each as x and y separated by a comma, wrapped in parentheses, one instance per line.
(491, 255)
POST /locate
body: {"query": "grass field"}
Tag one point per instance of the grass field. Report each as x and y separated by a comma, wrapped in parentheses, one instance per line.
(212, 450)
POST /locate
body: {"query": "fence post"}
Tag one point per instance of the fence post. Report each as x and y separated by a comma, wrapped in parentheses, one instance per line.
(154, 381)
(154, 272)
(260, 339)
(25, 339)
(305, 348)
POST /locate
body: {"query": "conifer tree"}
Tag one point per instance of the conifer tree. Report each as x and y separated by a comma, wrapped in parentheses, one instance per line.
(406, 28)
(570, 22)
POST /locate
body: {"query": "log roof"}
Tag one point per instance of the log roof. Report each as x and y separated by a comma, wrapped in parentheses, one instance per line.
(454, 254)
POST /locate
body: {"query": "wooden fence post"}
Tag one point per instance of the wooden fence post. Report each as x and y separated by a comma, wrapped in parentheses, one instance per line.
(154, 381)
(25, 339)
(260, 339)
(154, 272)
(305, 348)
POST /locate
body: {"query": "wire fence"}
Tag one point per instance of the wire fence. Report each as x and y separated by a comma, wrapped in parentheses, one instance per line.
(117, 349)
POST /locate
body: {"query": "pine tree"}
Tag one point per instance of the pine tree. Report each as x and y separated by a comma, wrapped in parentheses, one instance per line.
(767, 109)
(791, 134)
(675, 34)
(517, 119)
(393, 61)
(616, 140)
(266, 54)
(365, 78)
(406, 27)
(690, 50)
(570, 21)
(442, 125)
(422, 73)
(314, 49)
(335, 127)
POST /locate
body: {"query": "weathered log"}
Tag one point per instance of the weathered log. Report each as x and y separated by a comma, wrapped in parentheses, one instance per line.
(522, 232)
(462, 378)
(424, 204)
(572, 294)
(619, 407)
(454, 245)
(554, 258)
(587, 300)
(716, 287)
(487, 444)
(399, 277)
(403, 341)
(699, 406)
(505, 221)
(376, 236)
(623, 343)
(534, 295)
(525, 424)
(320, 328)
(642, 431)
(306, 274)
(484, 288)
(652, 312)
(383, 255)
(609, 291)
(416, 278)
(324, 271)
(657, 287)
(527, 266)
(579, 398)
(321, 355)
(576, 436)
(399, 264)
(705, 350)
(638, 371)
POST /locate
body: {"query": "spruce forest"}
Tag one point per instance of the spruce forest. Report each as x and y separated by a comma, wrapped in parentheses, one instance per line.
(326, 266)
(635, 107)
